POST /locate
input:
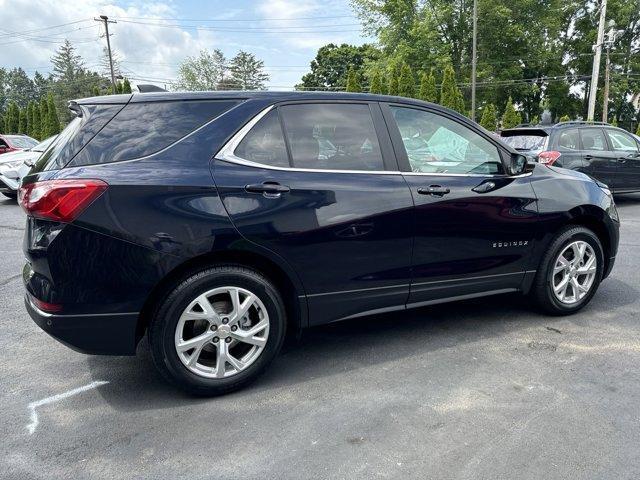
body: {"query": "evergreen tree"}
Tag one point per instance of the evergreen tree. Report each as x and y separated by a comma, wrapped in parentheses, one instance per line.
(406, 83)
(353, 83)
(376, 84)
(44, 110)
(52, 123)
(392, 83)
(247, 72)
(614, 121)
(428, 91)
(511, 118)
(95, 91)
(563, 118)
(638, 130)
(36, 128)
(488, 119)
(12, 118)
(126, 86)
(450, 95)
(22, 121)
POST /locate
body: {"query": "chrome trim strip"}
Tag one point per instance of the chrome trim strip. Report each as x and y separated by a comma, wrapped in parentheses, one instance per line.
(468, 278)
(226, 154)
(53, 315)
(357, 290)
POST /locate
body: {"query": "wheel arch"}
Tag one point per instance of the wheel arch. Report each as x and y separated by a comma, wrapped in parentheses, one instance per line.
(284, 279)
(595, 219)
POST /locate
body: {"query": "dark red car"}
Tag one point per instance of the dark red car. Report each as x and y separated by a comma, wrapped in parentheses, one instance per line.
(12, 143)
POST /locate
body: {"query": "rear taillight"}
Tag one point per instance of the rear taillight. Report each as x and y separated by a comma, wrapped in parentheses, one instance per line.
(59, 200)
(46, 306)
(549, 157)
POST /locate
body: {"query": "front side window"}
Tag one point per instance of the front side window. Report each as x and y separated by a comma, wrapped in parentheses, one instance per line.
(592, 139)
(332, 136)
(436, 144)
(622, 142)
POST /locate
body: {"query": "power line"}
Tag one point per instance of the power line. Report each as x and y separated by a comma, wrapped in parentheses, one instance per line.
(46, 28)
(232, 19)
(279, 30)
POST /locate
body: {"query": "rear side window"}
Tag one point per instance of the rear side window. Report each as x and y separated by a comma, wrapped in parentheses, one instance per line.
(569, 139)
(142, 129)
(592, 139)
(329, 136)
(265, 143)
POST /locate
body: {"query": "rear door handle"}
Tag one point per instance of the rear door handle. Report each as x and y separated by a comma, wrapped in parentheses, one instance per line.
(272, 189)
(588, 157)
(435, 190)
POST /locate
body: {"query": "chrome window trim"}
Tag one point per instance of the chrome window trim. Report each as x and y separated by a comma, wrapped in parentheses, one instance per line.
(227, 154)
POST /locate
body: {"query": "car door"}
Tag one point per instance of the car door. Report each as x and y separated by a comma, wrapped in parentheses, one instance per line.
(627, 159)
(474, 226)
(599, 161)
(317, 184)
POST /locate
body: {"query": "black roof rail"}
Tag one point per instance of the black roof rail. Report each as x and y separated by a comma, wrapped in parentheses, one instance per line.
(146, 88)
(582, 122)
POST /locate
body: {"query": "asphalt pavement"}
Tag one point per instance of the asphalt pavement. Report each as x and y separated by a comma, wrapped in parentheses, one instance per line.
(484, 389)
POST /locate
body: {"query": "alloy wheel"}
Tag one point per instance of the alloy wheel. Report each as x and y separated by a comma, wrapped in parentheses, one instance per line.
(222, 332)
(574, 272)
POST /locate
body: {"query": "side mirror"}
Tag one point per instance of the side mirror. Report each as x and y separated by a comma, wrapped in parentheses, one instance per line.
(519, 164)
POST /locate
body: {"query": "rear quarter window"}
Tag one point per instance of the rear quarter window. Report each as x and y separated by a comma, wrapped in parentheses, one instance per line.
(142, 129)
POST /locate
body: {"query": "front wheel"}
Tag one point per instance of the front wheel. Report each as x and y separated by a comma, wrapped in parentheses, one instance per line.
(218, 330)
(570, 272)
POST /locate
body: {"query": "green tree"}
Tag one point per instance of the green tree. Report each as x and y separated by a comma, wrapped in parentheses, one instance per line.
(30, 109)
(450, 95)
(12, 118)
(23, 121)
(247, 72)
(44, 111)
(36, 129)
(392, 83)
(332, 62)
(614, 121)
(511, 118)
(95, 91)
(406, 82)
(52, 124)
(353, 82)
(638, 130)
(489, 117)
(428, 91)
(376, 83)
(204, 72)
(565, 118)
(126, 86)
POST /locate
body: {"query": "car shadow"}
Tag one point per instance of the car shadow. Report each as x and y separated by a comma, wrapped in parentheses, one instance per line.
(627, 199)
(333, 349)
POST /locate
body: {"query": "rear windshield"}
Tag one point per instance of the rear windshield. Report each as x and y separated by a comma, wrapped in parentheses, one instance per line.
(20, 141)
(145, 128)
(526, 142)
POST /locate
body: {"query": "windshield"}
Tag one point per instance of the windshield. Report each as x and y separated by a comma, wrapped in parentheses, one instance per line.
(42, 146)
(20, 141)
(526, 142)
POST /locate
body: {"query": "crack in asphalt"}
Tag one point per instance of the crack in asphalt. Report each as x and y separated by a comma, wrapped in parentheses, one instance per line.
(9, 279)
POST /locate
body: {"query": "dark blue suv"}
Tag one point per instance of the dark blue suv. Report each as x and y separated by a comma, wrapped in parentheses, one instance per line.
(213, 223)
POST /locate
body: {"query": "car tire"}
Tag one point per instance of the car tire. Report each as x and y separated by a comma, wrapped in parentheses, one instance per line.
(12, 196)
(549, 279)
(174, 317)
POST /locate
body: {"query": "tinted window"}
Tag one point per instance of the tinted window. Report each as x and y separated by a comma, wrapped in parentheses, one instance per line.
(526, 142)
(592, 139)
(569, 140)
(265, 143)
(332, 136)
(142, 129)
(436, 144)
(621, 141)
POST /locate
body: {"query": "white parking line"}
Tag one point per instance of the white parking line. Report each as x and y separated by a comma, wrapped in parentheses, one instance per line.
(31, 427)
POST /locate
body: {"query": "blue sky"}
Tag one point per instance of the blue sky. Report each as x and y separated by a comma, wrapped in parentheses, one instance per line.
(153, 37)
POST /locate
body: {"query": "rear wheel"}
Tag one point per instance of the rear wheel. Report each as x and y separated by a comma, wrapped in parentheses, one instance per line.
(570, 272)
(218, 330)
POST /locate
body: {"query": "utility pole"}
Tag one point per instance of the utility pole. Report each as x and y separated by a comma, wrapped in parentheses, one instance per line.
(596, 62)
(611, 38)
(474, 59)
(106, 21)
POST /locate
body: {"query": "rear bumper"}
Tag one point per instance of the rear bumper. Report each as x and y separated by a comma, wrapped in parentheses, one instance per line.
(103, 334)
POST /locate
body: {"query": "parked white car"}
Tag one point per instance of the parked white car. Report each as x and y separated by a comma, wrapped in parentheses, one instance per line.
(15, 165)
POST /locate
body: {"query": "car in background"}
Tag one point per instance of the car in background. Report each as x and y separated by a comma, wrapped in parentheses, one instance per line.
(12, 143)
(15, 165)
(602, 151)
